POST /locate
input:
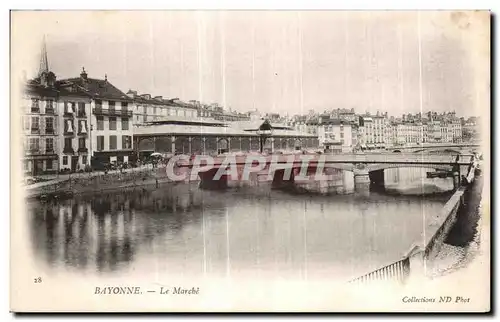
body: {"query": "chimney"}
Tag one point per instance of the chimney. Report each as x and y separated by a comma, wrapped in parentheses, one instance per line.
(83, 75)
(131, 93)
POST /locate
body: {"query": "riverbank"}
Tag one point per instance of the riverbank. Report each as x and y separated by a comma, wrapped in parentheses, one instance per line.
(94, 182)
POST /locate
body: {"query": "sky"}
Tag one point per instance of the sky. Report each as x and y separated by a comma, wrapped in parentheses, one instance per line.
(288, 62)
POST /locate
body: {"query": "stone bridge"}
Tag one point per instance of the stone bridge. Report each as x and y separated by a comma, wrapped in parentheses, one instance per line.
(439, 148)
(367, 168)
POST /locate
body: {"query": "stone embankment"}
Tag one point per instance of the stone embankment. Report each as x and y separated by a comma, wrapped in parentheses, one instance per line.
(94, 182)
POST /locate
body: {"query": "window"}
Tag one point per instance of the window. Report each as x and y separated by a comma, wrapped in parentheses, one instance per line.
(65, 160)
(49, 145)
(124, 123)
(68, 126)
(100, 123)
(84, 159)
(111, 106)
(26, 122)
(49, 108)
(68, 144)
(145, 110)
(34, 144)
(112, 123)
(69, 107)
(48, 165)
(81, 143)
(49, 125)
(81, 109)
(124, 106)
(35, 105)
(112, 142)
(126, 142)
(35, 126)
(100, 142)
(98, 106)
(144, 118)
(82, 127)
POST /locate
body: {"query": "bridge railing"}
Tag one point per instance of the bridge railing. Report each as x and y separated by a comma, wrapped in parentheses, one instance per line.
(366, 158)
(397, 271)
(392, 158)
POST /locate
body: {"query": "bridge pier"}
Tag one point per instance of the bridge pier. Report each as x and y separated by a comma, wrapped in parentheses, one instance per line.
(362, 182)
(280, 180)
(207, 180)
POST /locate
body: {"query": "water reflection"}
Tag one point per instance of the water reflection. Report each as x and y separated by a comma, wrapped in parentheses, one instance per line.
(411, 181)
(415, 181)
(244, 232)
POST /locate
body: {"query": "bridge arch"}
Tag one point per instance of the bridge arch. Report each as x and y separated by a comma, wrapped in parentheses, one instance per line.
(341, 166)
(298, 144)
(383, 166)
(145, 144)
(163, 144)
(441, 151)
(196, 145)
(222, 145)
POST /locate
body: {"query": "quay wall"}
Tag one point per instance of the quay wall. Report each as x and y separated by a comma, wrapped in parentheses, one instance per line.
(437, 229)
(94, 182)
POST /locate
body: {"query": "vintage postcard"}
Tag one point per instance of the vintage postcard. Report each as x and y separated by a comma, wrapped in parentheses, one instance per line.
(250, 161)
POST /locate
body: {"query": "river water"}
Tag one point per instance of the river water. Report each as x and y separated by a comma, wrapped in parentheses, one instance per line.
(243, 232)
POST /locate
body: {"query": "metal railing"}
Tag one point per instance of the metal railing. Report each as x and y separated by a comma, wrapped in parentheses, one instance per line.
(39, 151)
(397, 271)
(111, 112)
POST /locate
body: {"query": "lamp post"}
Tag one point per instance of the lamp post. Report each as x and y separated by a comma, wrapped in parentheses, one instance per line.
(264, 134)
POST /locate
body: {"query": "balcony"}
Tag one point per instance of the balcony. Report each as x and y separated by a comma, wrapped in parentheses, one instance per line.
(68, 114)
(83, 150)
(35, 130)
(49, 110)
(35, 109)
(49, 131)
(33, 151)
(68, 150)
(108, 112)
(67, 133)
(83, 134)
(81, 114)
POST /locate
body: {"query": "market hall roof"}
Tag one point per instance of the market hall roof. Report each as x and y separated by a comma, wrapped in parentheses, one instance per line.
(206, 126)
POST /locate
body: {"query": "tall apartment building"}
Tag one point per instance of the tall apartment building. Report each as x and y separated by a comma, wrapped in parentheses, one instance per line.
(337, 135)
(40, 123)
(378, 127)
(74, 119)
(146, 108)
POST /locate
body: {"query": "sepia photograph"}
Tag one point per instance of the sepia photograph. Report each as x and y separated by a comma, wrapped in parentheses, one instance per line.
(250, 161)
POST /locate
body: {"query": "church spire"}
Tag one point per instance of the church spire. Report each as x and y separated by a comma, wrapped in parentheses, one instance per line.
(44, 64)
